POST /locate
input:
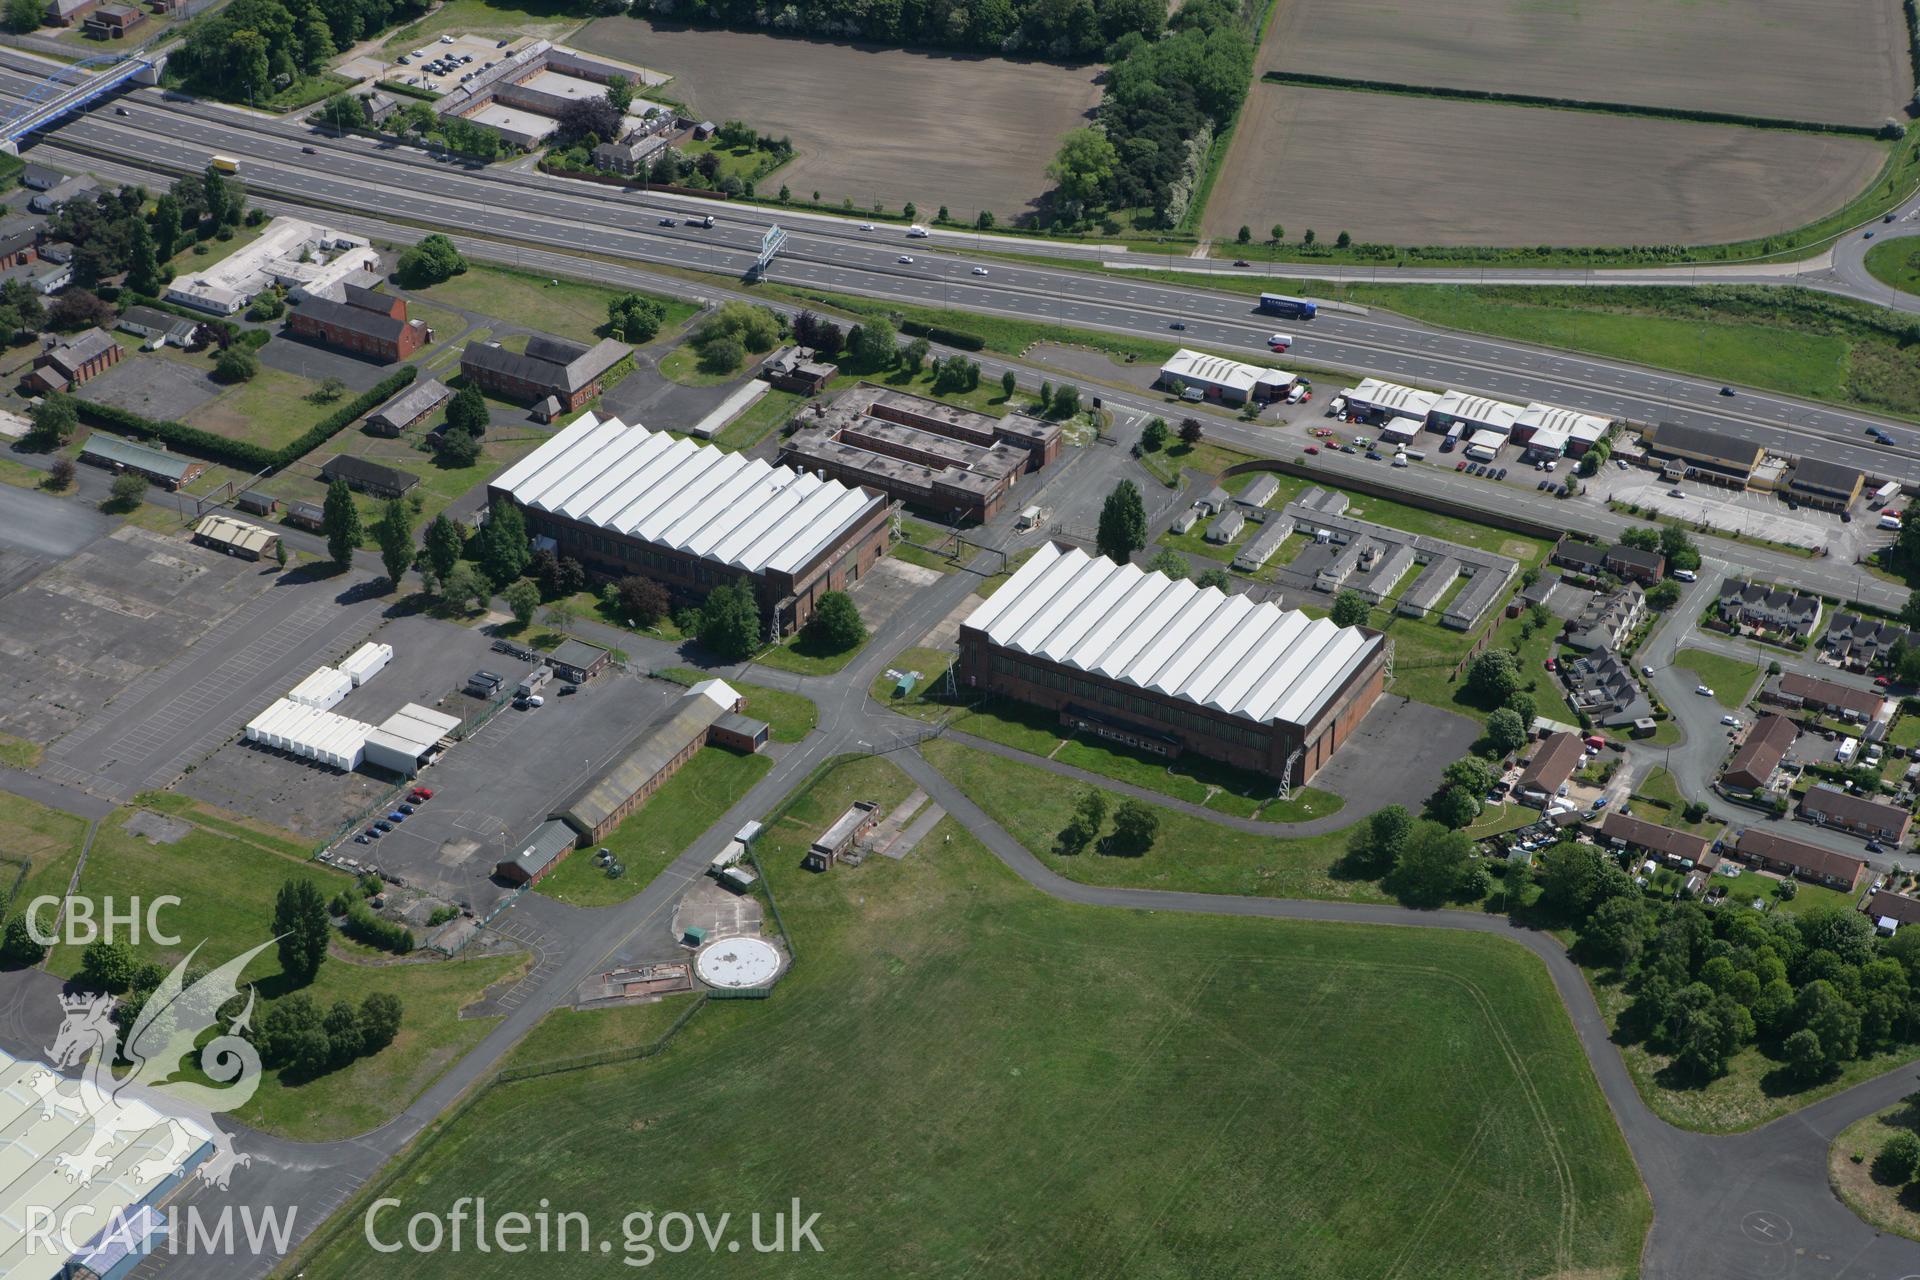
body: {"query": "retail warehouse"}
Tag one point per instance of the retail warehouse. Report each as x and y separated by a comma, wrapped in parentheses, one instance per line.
(1168, 667)
(625, 500)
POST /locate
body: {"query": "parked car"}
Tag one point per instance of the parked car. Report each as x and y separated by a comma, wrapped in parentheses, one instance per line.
(1460, 465)
(362, 838)
(1874, 846)
(1501, 475)
(408, 809)
(396, 817)
(1313, 448)
(1373, 455)
(1882, 681)
(1542, 486)
(419, 794)
(1347, 448)
(382, 825)
(1730, 720)
(1553, 664)
(1686, 575)
(1645, 670)
(1703, 690)
(568, 690)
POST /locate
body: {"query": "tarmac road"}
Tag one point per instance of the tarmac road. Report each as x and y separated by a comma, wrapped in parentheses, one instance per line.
(401, 183)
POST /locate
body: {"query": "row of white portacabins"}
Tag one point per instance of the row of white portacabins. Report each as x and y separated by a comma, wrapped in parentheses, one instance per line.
(303, 723)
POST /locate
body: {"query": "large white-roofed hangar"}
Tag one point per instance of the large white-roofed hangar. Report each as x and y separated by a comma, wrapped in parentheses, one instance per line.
(1169, 667)
(627, 501)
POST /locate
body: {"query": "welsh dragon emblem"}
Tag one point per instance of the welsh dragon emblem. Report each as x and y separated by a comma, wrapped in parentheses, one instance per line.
(174, 1017)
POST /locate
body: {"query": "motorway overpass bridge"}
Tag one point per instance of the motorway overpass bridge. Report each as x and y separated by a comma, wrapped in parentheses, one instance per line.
(67, 89)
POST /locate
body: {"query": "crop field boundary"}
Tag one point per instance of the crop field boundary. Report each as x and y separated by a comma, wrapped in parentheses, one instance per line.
(1311, 80)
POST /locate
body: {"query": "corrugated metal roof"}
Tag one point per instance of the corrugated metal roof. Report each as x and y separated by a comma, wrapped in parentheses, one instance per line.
(138, 456)
(1195, 644)
(677, 724)
(739, 511)
(1219, 371)
(236, 533)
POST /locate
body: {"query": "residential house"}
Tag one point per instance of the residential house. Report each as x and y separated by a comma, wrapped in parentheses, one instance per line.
(1678, 849)
(1643, 567)
(1603, 686)
(1754, 762)
(1769, 608)
(55, 196)
(634, 156)
(1608, 620)
(1827, 697)
(1890, 911)
(369, 477)
(364, 322)
(49, 277)
(1789, 857)
(1873, 819)
(38, 177)
(65, 365)
(1860, 643)
(1553, 763)
(1581, 557)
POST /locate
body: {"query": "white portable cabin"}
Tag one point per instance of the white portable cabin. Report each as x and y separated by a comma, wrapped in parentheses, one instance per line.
(366, 662)
(727, 857)
(323, 689)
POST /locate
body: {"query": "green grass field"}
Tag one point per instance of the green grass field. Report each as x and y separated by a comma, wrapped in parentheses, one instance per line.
(226, 873)
(569, 309)
(1008, 1085)
(1730, 679)
(759, 420)
(1896, 263)
(1190, 854)
(41, 846)
(802, 657)
(655, 834)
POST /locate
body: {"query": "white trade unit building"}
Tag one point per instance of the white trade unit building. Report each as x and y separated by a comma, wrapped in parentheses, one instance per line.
(1548, 431)
(1474, 413)
(1400, 411)
(323, 689)
(366, 662)
(408, 738)
(1225, 380)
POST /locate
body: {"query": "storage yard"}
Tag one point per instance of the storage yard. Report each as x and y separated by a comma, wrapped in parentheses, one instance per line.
(1832, 61)
(1415, 171)
(871, 124)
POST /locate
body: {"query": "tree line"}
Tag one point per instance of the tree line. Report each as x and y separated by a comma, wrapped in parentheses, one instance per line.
(250, 49)
(1062, 30)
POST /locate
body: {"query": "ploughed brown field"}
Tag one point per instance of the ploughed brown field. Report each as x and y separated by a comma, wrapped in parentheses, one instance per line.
(1831, 61)
(888, 125)
(1424, 171)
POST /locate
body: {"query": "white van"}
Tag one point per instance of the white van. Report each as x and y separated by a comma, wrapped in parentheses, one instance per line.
(1279, 341)
(917, 232)
(1889, 522)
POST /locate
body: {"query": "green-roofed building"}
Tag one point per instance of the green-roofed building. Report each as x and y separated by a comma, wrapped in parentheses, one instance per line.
(115, 454)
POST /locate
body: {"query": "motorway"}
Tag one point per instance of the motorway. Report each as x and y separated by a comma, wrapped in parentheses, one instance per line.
(404, 186)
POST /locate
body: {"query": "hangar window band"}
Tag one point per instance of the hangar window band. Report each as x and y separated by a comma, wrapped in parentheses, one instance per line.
(1090, 691)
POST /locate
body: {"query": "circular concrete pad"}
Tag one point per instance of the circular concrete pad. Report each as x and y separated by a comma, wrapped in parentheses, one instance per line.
(737, 963)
